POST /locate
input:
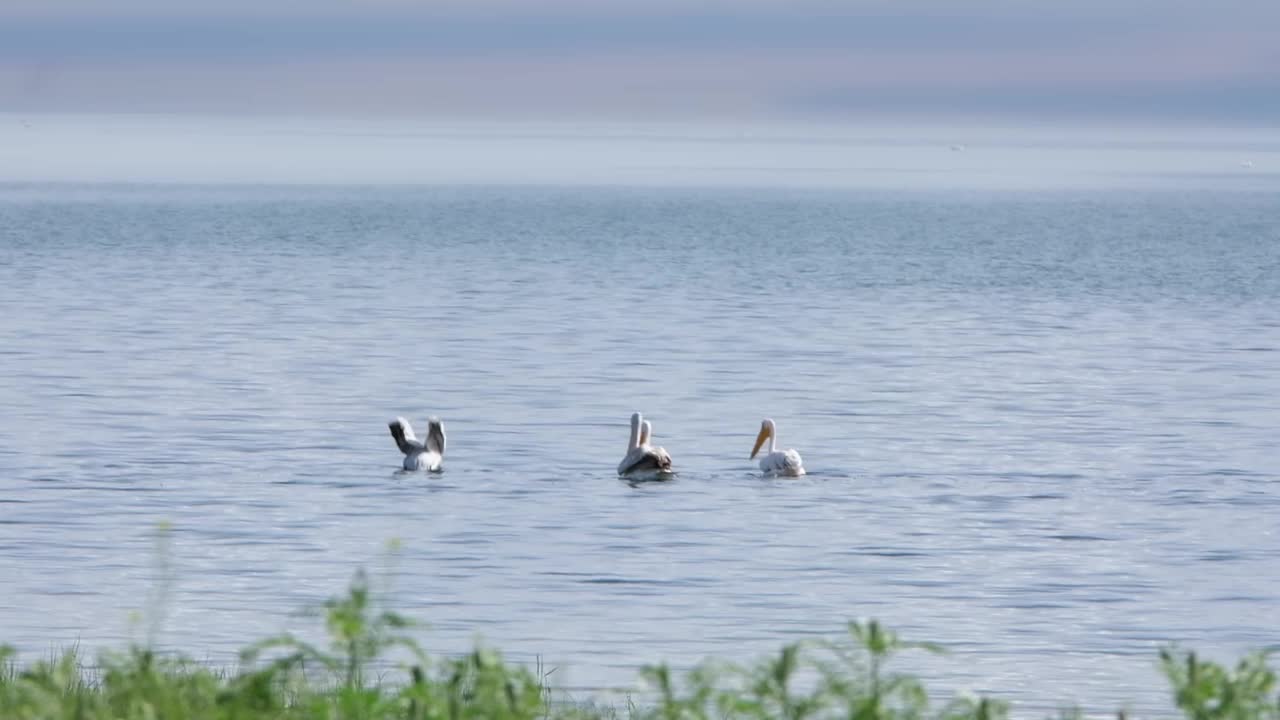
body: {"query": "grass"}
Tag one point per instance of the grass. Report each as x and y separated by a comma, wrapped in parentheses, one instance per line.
(285, 678)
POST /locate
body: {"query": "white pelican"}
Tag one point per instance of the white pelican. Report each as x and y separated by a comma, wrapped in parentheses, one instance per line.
(785, 463)
(419, 455)
(643, 461)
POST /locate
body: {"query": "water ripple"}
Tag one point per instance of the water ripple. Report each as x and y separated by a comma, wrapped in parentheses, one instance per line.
(1040, 427)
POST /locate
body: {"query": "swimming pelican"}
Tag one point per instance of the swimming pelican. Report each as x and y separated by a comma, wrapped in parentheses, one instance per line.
(643, 461)
(417, 454)
(784, 463)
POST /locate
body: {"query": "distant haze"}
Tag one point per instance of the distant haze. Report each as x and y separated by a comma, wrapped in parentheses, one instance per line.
(1174, 61)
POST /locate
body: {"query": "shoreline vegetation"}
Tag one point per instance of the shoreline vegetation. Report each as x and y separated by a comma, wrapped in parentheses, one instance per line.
(284, 677)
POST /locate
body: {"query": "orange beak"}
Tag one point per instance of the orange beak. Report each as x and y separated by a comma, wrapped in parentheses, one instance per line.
(764, 435)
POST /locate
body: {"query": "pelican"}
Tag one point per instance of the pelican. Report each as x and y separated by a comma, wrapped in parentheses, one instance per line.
(643, 461)
(419, 455)
(785, 463)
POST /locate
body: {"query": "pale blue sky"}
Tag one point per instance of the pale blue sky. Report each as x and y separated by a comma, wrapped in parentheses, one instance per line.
(1171, 60)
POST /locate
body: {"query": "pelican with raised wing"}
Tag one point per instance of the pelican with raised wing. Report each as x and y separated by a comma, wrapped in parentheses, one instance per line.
(420, 455)
(643, 461)
(785, 463)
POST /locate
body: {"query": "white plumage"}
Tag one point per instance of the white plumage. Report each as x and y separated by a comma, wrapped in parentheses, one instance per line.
(419, 455)
(643, 461)
(784, 463)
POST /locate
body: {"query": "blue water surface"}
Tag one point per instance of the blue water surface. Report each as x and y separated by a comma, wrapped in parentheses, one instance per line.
(1040, 425)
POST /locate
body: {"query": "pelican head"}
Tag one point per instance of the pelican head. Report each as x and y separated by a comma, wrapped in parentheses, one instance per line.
(645, 431)
(634, 441)
(766, 432)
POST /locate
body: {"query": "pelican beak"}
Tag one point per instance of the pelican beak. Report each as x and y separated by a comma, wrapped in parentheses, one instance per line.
(764, 435)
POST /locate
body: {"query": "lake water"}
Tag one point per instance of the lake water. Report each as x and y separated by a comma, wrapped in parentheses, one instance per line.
(1036, 389)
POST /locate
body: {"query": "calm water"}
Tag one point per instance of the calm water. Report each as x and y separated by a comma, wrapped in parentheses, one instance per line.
(1040, 425)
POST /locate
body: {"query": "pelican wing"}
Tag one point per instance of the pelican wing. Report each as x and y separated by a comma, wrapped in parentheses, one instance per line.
(435, 436)
(402, 433)
(792, 463)
(785, 462)
(645, 459)
(663, 458)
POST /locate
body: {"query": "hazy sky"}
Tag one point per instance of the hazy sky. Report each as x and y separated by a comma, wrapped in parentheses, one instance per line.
(1140, 59)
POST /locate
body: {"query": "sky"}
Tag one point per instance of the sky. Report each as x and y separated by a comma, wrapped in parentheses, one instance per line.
(1172, 60)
